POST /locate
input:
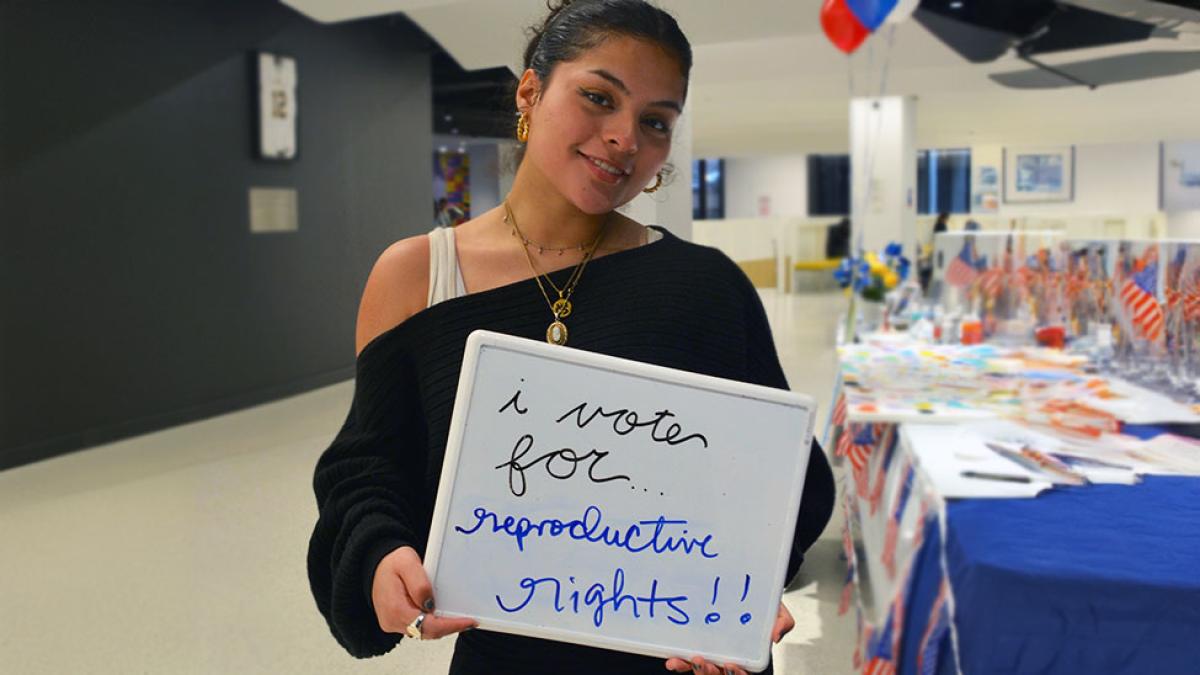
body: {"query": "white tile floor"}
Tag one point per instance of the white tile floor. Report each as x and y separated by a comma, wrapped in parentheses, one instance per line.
(183, 551)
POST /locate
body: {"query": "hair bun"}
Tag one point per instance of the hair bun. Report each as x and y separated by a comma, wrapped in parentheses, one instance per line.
(536, 32)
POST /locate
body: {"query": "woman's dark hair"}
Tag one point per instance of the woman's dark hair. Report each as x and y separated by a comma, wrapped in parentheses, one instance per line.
(573, 27)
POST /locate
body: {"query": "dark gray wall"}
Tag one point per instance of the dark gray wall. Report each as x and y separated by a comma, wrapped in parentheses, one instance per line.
(132, 294)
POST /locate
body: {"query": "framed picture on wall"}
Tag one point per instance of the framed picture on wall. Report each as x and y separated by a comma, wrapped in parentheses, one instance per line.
(276, 110)
(1180, 176)
(1039, 174)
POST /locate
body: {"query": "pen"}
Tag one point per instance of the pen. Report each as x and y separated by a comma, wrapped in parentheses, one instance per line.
(1008, 478)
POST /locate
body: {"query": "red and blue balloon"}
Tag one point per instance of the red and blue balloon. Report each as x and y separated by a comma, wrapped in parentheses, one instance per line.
(848, 23)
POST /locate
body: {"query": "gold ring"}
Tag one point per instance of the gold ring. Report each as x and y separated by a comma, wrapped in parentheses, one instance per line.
(414, 629)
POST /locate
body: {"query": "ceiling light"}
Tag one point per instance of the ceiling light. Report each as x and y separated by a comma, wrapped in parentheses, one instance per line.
(957, 4)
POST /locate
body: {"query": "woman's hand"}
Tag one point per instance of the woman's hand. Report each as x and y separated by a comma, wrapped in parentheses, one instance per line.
(401, 592)
(784, 623)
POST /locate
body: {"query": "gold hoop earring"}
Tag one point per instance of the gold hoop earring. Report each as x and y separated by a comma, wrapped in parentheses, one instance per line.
(523, 128)
(657, 184)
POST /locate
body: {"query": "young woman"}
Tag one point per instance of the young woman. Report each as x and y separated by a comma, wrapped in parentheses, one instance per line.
(604, 83)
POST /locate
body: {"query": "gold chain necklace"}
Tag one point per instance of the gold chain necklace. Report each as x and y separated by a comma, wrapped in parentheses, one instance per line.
(556, 332)
(542, 249)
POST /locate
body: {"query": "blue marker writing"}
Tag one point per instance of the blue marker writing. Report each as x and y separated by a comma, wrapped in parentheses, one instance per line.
(646, 535)
(600, 599)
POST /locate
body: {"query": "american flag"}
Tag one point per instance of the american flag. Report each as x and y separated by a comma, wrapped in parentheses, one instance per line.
(859, 454)
(864, 637)
(845, 436)
(963, 268)
(889, 444)
(880, 657)
(894, 518)
(1137, 297)
(879, 666)
(839, 411)
(899, 608)
(991, 281)
(1185, 287)
(922, 522)
(847, 591)
(935, 631)
(848, 553)
(1173, 296)
(1191, 305)
(847, 543)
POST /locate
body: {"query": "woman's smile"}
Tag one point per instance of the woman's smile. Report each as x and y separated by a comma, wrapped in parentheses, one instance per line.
(604, 171)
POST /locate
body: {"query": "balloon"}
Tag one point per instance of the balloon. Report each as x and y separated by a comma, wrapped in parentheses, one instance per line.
(902, 12)
(841, 27)
(871, 13)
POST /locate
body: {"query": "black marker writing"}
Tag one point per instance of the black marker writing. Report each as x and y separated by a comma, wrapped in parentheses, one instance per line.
(515, 404)
(626, 421)
(564, 456)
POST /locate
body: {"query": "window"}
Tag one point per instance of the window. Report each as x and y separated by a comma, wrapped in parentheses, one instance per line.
(708, 189)
(829, 185)
(943, 181)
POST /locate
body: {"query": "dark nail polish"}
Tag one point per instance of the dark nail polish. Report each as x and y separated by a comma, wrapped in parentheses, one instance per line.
(428, 606)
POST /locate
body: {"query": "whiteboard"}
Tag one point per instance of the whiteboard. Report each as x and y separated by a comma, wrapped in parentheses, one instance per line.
(611, 503)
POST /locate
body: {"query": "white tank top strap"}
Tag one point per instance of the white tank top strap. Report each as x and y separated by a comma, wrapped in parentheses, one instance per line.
(445, 277)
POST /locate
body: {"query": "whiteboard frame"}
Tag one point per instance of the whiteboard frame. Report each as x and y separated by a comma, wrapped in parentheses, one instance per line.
(480, 340)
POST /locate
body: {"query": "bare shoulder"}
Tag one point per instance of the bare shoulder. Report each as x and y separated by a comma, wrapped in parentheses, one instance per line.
(397, 288)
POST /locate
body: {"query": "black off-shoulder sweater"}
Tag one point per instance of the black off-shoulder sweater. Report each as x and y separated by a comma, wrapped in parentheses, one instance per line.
(670, 303)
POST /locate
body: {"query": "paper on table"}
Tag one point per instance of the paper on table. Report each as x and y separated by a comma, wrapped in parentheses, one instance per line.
(1137, 405)
(1165, 454)
(1095, 469)
(1097, 459)
(943, 453)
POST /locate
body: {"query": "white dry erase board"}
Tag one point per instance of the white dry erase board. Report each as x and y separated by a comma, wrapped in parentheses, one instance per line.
(607, 502)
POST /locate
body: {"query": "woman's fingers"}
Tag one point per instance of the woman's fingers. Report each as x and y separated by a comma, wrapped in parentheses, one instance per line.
(438, 627)
(416, 582)
(679, 666)
(402, 592)
(697, 665)
(393, 608)
(731, 669)
(784, 623)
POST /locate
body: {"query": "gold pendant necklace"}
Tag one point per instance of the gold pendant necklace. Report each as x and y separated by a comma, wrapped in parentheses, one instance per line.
(556, 332)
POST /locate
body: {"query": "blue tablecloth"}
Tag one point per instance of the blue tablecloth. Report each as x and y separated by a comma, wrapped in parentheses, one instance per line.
(1096, 579)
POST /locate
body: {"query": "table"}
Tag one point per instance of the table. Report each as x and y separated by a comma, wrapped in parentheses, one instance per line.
(1096, 579)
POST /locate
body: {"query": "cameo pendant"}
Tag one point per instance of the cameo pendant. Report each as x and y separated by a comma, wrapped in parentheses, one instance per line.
(556, 334)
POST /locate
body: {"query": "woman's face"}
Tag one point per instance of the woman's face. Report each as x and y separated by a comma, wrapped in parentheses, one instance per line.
(602, 128)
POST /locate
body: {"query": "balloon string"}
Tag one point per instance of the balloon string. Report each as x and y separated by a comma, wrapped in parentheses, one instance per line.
(870, 149)
(887, 59)
(871, 141)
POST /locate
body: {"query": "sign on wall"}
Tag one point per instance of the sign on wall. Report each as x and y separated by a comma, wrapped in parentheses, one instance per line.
(1039, 174)
(1181, 176)
(606, 502)
(277, 79)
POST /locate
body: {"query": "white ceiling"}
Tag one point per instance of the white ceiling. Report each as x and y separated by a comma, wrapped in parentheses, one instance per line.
(767, 82)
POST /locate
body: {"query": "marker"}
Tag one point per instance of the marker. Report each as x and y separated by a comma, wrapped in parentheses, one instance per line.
(1008, 478)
